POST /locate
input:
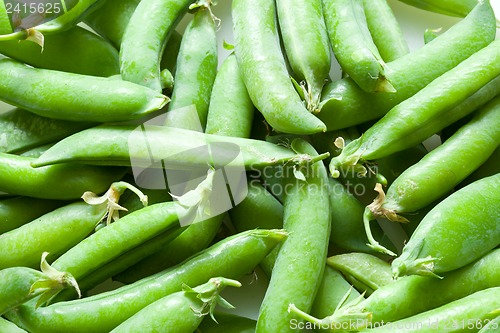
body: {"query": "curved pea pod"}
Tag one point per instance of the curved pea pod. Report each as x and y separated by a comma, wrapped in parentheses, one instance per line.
(370, 271)
(232, 257)
(63, 182)
(70, 18)
(149, 26)
(385, 30)
(458, 8)
(307, 47)
(344, 104)
(491, 326)
(466, 314)
(192, 240)
(57, 231)
(110, 20)
(430, 178)
(146, 145)
(231, 110)
(182, 311)
(264, 71)
(16, 211)
(353, 45)
(22, 130)
(76, 50)
(458, 230)
(196, 66)
(69, 96)
(307, 219)
(20, 284)
(438, 105)
(411, 295)
(9, 327)
(227, 323)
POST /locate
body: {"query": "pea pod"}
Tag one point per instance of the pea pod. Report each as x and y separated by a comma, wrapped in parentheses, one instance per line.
(305, 39)
(231, 110)
(307, 219)
(447, 7)
(411, 295)
(23, 130)
(150, 25)
(76, 50)
(264, 71)
(491, 326)
(14, 211)
(353, 45)
(466, 314)
(111, 19)
(232, 257)
(123, 145)
(85, 98)
(63, 22)
(227, 323)
(196, 64)
(57, 231)
(439, 104)
(344, 104)
(180, 312)
(9, 327)
(63, 182)
(430, 179)
(443, 242)
(372, 272)
(20, 284)
(385, 30)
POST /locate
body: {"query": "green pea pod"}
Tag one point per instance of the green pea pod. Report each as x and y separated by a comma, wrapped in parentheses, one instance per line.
(196, 65)
(305, 39)
(231, 110)
(232, 257)
(20, 284)
(353, 45)
(76, 50)
(123, 145)
(411, 295)
(264, 71)
(85, 98)
(385, 30)
(63, 182)
(227, 323)
(458, 8)
(438, 105)
(344, 104)
(430, 178)
(63, 22)
(466, 314)
(371, 271)
(180, 312)
(111, 19)
(191, 240)
(491, 327)
(460, 229)
(295, 277)
(23, 130)
(5, 26)
(488, 168)
(9, 327)
(58, 230)
(17, 211)
(150, 25)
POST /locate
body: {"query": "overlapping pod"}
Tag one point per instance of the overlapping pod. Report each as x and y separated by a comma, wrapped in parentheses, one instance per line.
(344, 104)
(264, 71)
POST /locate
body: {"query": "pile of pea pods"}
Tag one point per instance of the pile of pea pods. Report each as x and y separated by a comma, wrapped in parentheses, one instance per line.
(142, 173)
